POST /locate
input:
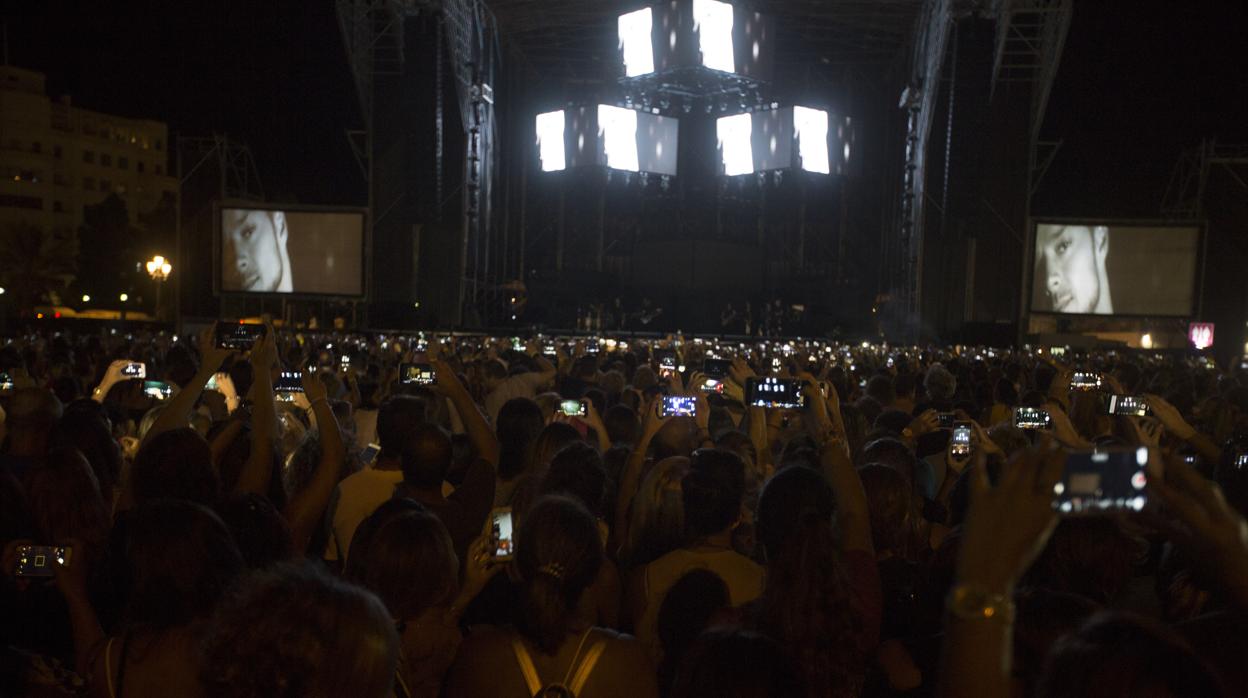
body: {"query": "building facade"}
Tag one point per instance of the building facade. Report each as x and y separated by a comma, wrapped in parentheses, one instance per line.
(56, 159)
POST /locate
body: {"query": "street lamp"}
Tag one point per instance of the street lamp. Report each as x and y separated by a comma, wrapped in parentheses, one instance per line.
(159, 268)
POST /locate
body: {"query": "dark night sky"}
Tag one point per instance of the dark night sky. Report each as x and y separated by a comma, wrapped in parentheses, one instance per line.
(1138, 82)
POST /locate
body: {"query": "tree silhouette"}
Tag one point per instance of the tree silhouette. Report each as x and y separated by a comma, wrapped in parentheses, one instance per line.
(36, 264)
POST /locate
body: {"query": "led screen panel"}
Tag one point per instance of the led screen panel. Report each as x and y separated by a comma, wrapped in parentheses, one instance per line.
(1087, 268)
(755, 142)
(637, 141)
(551, 145)
(301, 252)
(636, 42)
(713, 22)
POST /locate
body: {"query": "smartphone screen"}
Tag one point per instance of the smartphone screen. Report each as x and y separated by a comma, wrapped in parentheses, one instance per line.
(289, 382)
(37, 560)
(134, 369)
(238, 336)
(550, 350)
(1032, 418)
(960, 442)
(502, 534)
(573, 408)
(159, 390)
(716, 368)
(774, 393)
(1103, 480)
(1127, 405)
(678, 406)
(1084, 380)
(369, 454)
(6, 382)
(712, 385)
(418, 374)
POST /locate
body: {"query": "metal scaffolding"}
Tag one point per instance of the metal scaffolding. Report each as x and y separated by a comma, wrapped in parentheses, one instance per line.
(1031, 35)
(1185, 195)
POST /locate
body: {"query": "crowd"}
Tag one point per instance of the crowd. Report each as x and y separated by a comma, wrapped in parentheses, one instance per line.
(298, 518)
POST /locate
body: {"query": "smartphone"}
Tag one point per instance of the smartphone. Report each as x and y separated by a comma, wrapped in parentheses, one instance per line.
(1128, 405)
(212, 383)
(716, 368)
(1057, 351)
(369, 454)
(516, 344)
(775, 363)
(960, 442)
(774, 393)
(1084, 380)
(134, 369)
(890, 363)
(550, 350)
(1032, 418)
(289, 382)
(418, 374)
(502, 534)
(678, 406)
(712, 385)
(239, 336)
(345, 360)
(667, 372)
(6, 382)
(37, 560)
(574, 408)
(947, 419)
(1104, 480)
(159, 390)
(592, 346)
(665, 358)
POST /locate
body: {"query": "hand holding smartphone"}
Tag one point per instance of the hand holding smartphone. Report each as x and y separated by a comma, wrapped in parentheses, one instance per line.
(574, 408)
(239, 336)
(38, 560)
(1032, 418)
(678, 406)
(1105, 481)
(502, 534)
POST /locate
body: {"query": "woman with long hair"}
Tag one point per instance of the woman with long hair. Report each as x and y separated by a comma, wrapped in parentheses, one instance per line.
(551, 647)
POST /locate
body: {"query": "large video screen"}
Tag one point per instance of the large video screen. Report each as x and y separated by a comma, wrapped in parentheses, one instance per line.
(797, 137)
(267, 250)
(637, 141)
(696, 33)
(1114, 269)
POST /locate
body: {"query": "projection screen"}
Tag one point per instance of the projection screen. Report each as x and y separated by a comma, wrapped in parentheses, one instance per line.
(1107, 268)
(291, 251)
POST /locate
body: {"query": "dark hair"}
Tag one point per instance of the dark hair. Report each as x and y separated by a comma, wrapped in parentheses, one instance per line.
(881, 388)
(894, 453)
(427, 456)
(65, 500)
(686, 611)
(712, 492)
(294, 631)
(518, 425)
(362, 540)
(396, 420)
(730, 663)
(577, 471)
(180, 558)
(85, 427)
(558, 553)
(622, 424)
(176, 464)
(1114, 654)
(411, 564)
(262, 533)
(1090, 556)
(889, 499)
(806, 603)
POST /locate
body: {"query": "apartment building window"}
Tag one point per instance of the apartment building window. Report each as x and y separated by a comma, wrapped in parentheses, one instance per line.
(56, 152)
(88, 183)
(138, 165)
(106, 160)
(123, 162)
(88, 156)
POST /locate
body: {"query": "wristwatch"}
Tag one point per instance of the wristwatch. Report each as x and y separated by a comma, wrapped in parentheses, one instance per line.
(969, 602)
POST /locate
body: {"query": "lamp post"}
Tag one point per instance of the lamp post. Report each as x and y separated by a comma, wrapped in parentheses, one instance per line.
(159, 268)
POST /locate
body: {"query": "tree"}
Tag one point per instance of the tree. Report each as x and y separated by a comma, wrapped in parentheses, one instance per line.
(36, 264)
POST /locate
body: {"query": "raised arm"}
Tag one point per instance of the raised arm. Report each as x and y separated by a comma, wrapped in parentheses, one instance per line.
(479, 432)
(305, 511)
(852, 513)
(630, 479)
(177, 412)
(1175, 424)
(259, 468)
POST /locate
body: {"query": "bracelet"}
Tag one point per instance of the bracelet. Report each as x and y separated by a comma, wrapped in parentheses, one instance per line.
(970, 602)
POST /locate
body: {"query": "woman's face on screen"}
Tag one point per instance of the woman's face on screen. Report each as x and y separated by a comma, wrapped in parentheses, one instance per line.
(253, 250)
(1072, 282)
